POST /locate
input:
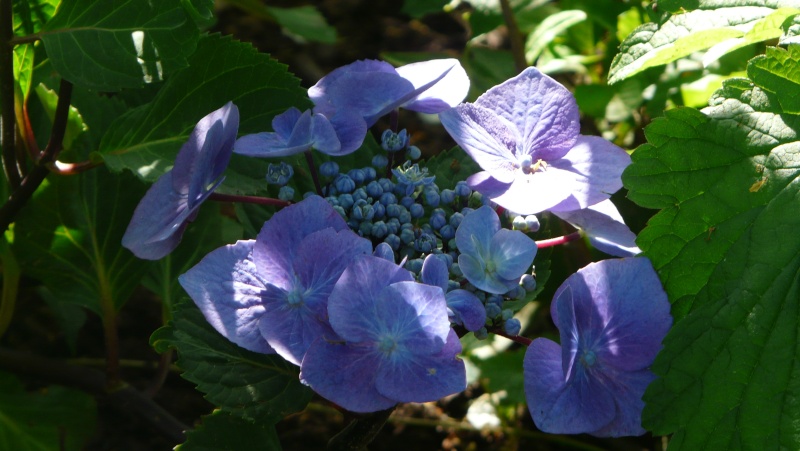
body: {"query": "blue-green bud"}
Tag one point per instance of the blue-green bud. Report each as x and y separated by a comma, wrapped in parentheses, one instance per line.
(329, 169)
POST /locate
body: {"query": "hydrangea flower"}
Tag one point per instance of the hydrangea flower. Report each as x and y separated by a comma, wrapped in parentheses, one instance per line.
(463, 307)
(605, 228)
(296, 132)
(492, 258)
(612, 316)
(525, 134)
(393, 341)
(272, 292)
(371, 88)
(171, 203)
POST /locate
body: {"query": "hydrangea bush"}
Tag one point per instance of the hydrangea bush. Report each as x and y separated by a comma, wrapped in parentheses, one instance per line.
(306, 246)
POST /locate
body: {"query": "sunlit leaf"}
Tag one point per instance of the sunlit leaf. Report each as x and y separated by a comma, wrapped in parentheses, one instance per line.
(726, 248)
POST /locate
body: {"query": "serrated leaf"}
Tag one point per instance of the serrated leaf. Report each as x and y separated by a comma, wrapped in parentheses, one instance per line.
(726, 248)
(107, 46)
(726, 26)
(548, 30)
(69, 237)
(259, 387)
(55, 418)
(146, 139)
(221, 430)
(779, 73)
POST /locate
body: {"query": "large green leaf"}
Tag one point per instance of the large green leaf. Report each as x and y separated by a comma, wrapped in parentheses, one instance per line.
(720, 26)
(146, 139)
(108, 46)
(69, 237)
(726, 247)
(259, 387)
(779, 73)
(56, 418)
(221, 430)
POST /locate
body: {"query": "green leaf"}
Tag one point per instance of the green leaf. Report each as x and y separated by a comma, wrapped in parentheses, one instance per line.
(54, 418)
(147, 139)
(75, 124)
(221, 430)
(69, 237)
(720, 26)
(779, 73)
(259, 387)
(548, 30)
(107, 46)
(305, 22)
(502, 372)
(726, 249)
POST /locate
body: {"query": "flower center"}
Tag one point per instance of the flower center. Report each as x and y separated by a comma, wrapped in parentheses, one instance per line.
(295, 298)
(589, 358)
(387, 344)
(527, 165)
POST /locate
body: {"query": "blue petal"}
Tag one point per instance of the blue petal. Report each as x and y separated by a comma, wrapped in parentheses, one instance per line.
(423, 378)
(605, 228)
(450, 84)
(485, 137)
(384, 251)
(434, 272)
(345, 375)
(476, 230)
(267, 145)
(512, 253)
(467, 309)
(475, 271)
(558, 407)
(416, 314)
(594, 168)
(228, 290)
(542, 110)
(279, 238)
(284, 123)
(323, 136)
(351, 129)
(204, 157)
(291, 328)
(627, 388)
(620, 306)
(351, 305)
(158, 221)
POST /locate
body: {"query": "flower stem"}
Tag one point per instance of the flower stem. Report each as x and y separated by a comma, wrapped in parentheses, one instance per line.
(7, 110)
(313, 169)
(515, 338)
(249, 199)
(574, 236)
(517, 46)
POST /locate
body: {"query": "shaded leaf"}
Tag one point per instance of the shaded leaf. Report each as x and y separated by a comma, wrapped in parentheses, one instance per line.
(69, 237)
(221, 430)
(548, 30)
(55, 418)
(258, 387)
(146, 139)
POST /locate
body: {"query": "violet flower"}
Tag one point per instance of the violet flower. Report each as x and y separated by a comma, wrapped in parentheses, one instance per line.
(296, 132)
(171, 203)
(525, 134)
(605, 228)
(492, 258)
(393, 341)
(463, 307)
(372, 88)
(272, 292)
(612, 316)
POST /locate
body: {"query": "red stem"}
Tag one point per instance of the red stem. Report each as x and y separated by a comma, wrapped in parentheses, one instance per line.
(249, 199)
(515, 338)
(574, 236)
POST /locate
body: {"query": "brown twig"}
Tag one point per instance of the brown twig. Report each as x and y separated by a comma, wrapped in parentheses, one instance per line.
(517, 46)
(8, 123)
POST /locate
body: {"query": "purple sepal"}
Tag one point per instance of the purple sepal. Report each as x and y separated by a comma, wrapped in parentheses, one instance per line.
(228, 290)
(605, 228)
(612, 316)
(467, 310)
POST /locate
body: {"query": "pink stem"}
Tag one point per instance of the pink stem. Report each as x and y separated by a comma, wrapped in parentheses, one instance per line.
(515, 338)
(559, 240)
(249, 199)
